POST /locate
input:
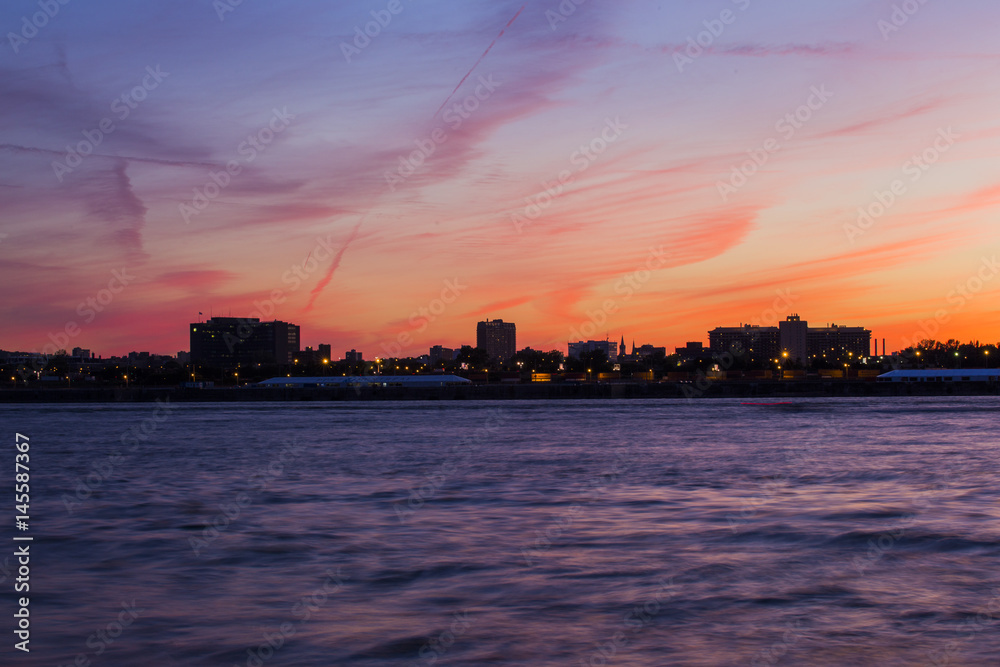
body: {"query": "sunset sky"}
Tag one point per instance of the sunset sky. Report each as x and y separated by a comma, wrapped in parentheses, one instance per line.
(602, 144)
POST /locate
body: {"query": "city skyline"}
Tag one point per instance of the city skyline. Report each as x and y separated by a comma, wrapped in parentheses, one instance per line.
(641, 168)
(241, 331)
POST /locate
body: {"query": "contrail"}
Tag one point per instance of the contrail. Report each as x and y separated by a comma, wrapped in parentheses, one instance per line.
(321, 285)
(148, 160)
(509, 23)
(316, 291)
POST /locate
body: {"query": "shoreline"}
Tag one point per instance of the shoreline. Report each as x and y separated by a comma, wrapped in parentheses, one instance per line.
(536, 391)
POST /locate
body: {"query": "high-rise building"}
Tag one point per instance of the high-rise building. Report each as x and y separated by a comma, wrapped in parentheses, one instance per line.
(353, 357)
(227, 341)
(498, 338)
(793, 333)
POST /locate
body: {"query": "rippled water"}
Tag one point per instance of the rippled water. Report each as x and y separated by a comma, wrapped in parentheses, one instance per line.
(828, 532)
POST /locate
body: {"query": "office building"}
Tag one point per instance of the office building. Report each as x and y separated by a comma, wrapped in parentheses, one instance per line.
(225, 342)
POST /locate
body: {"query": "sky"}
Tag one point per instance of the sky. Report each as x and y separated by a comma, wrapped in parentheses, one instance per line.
(385, 174)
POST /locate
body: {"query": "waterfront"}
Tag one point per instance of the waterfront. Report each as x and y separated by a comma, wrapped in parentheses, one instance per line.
(647, 532)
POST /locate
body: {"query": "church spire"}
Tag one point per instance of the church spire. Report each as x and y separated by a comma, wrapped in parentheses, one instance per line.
(621, 348)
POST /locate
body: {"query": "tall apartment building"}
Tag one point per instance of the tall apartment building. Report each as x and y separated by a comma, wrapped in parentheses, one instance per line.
(498, 338)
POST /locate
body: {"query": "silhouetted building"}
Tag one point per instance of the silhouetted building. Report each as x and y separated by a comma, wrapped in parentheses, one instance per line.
(227, 341)
(581, 348)
(792, 340)
(793, 333)
(837, 341)
(439, 353)
(691, 351)
(498, 338)
(324, 352)
(353, 357)
(81, 353)
(751, 342)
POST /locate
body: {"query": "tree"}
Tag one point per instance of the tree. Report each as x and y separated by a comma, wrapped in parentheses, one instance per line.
(476, 358)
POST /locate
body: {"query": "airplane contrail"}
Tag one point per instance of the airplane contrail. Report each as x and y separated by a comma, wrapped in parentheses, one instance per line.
(318, 289)
(504, 29)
